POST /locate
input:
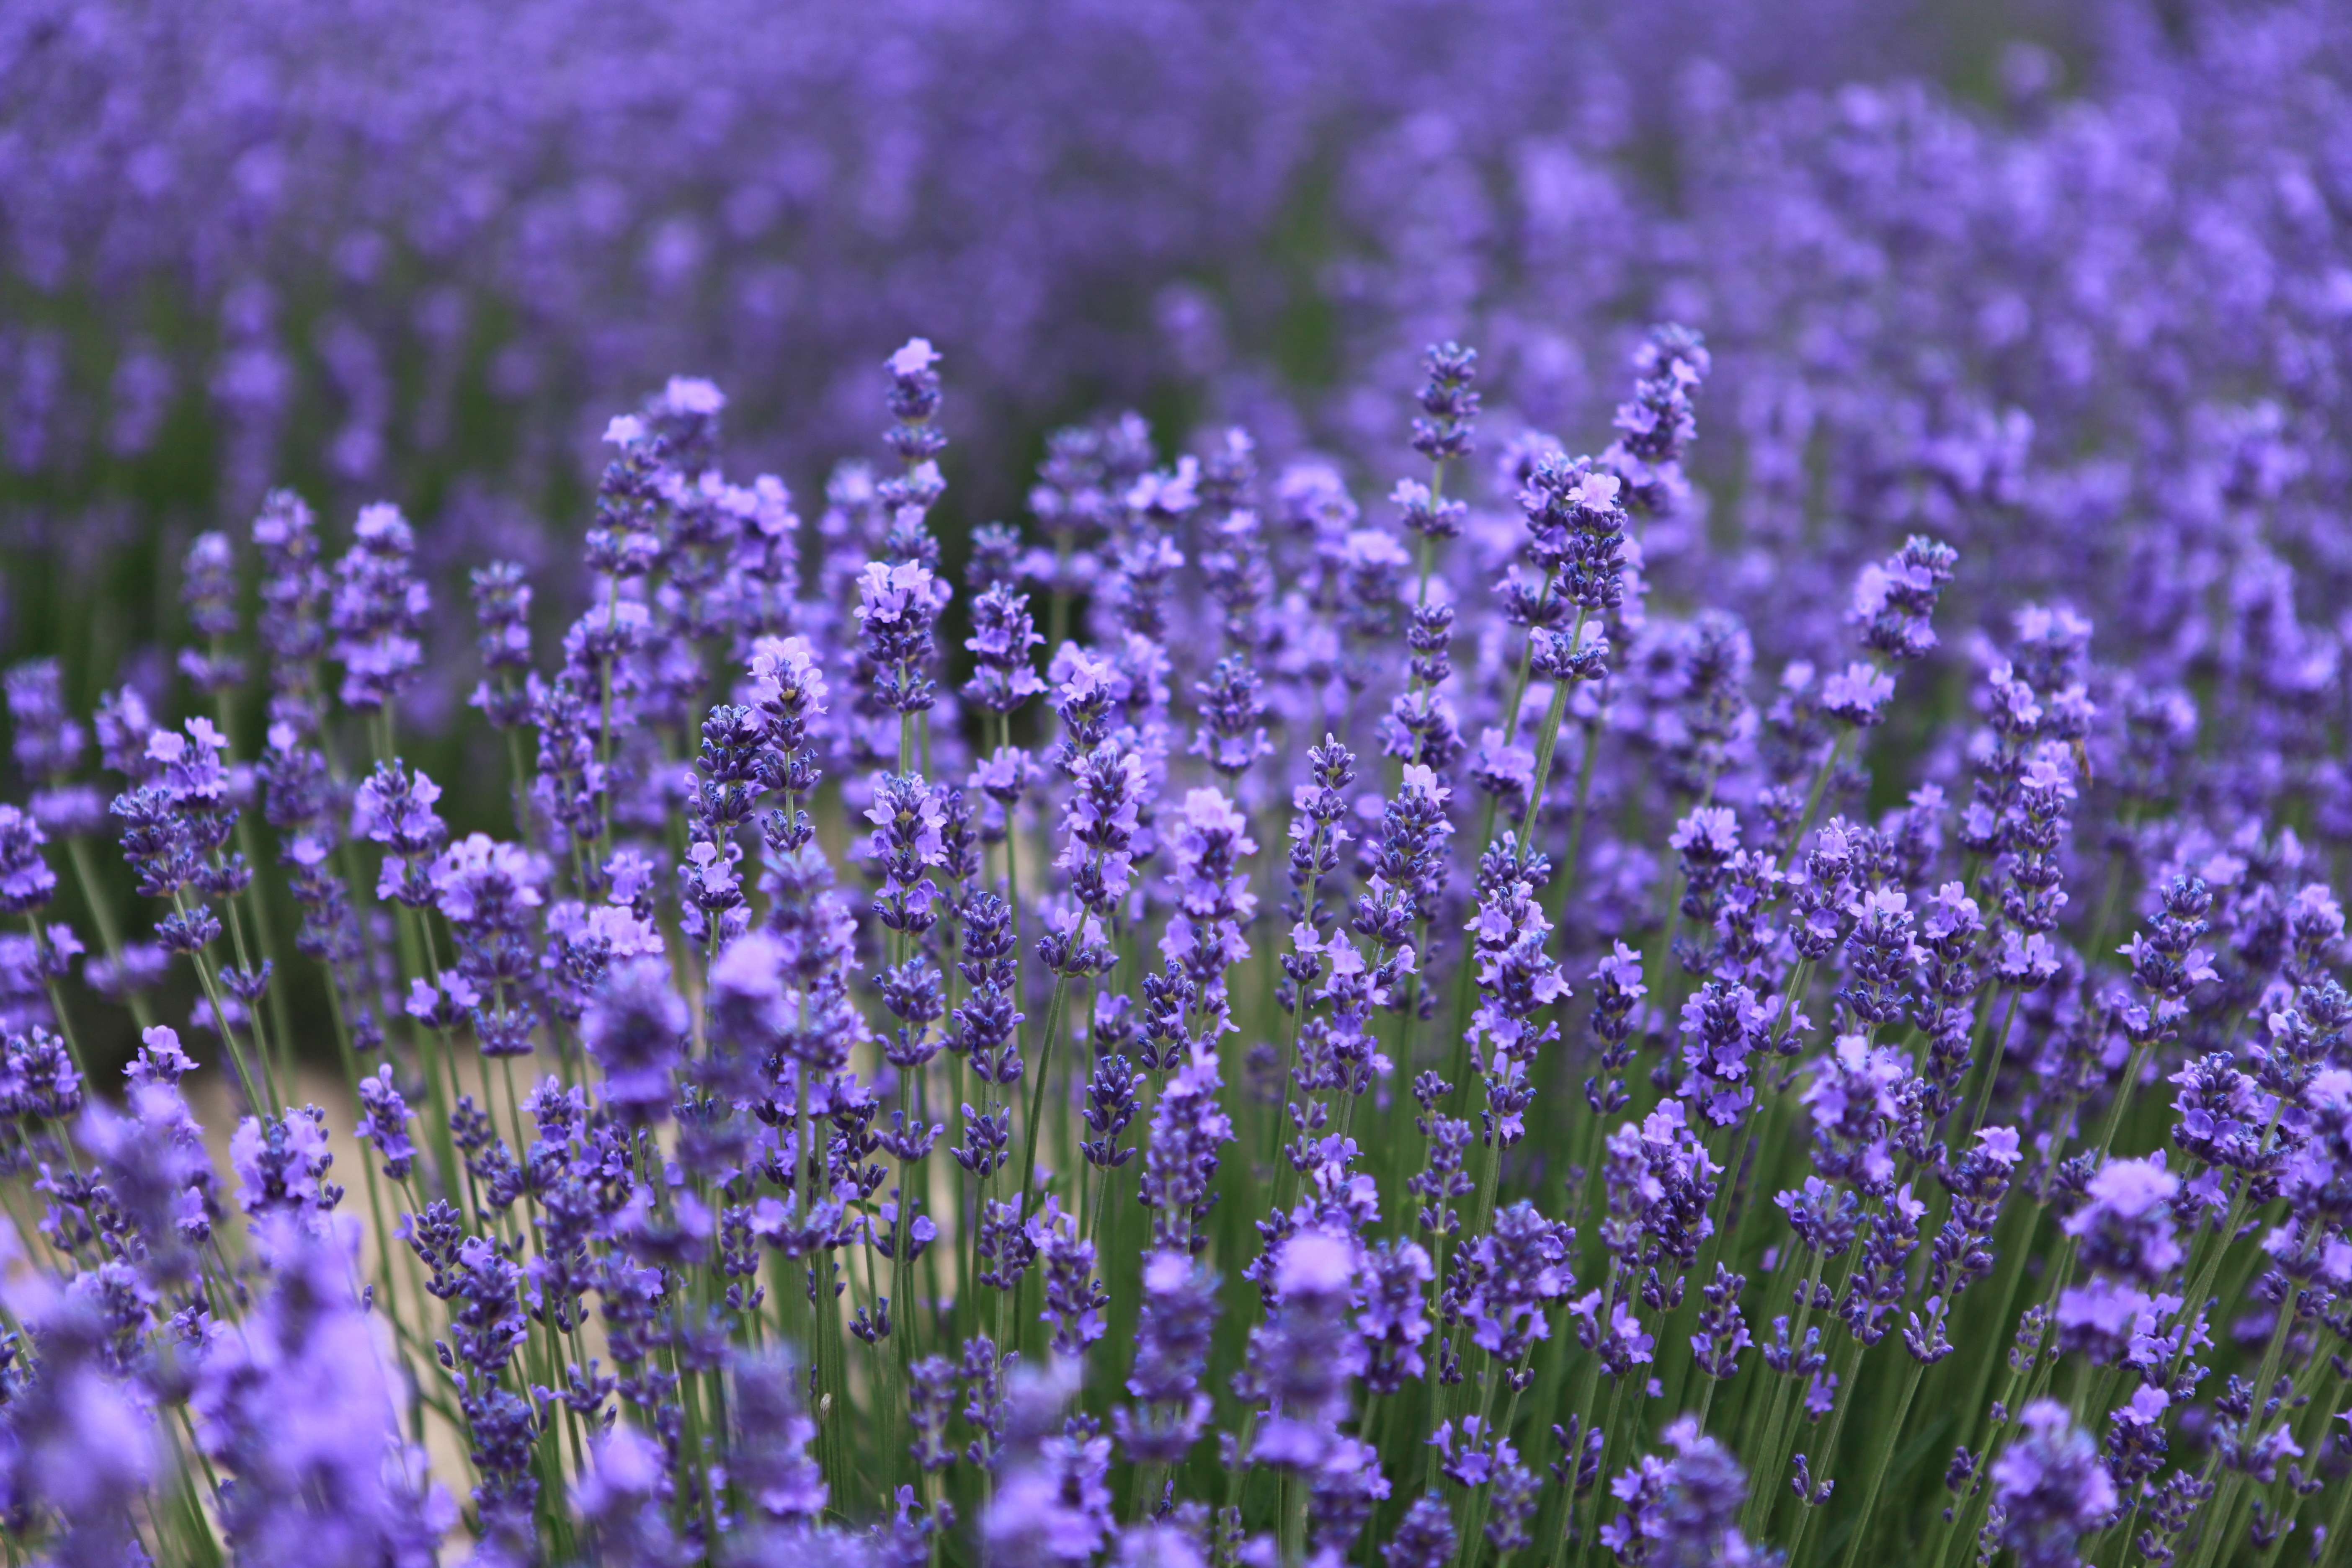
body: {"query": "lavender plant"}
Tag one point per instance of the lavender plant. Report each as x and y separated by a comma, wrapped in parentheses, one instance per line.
(1428, 1031)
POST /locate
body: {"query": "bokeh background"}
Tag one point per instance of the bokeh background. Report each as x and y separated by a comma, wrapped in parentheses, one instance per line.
(2064, 282)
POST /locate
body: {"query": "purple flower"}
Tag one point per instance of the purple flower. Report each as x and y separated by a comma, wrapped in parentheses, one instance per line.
(1393, 1320)
(1722, 1028)
(47, 740)
(1618, 1341)
(2097, 1318)
(1053, 1496)
(1474, 1456)
(377, 609)
(1511, 1279)
(1002, 635)
(1857, 693)
(281, 1164)
(1893, 600)
(501, 594)
(1301, 1359)
(27, 882)
(1425, 1536)
(1853, 1099)
(2050, 1488)
(634, 1029)
(208, 589)
(909, 817)
(294, 592)
(1823, 1215)
(1204, 937)
(385, 1123)
(620, 1496)
(1515, 979)
(1231, 737)
(394, 807)
(2126, 1227)
(82, 1438)
(1449, 403)
(1188, 1128)
(1074, 1298)
(299, 1404)
(1881, 1274)
(898, 605)
(2027, 961)
(1109, 790)
(1172, 1351)
(1683, 1511)
(1501, 766)
(788, 689)
(770, 1456)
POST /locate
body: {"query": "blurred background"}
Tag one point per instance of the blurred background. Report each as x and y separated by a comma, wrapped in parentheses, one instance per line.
(2063, 280)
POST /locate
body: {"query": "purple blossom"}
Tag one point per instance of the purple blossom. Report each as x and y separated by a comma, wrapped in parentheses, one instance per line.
(897, 606)
(1683, 1511)
(281, 1164)
(1074, 1298)
(633, 1028)
(1893, 600)
(2126, 1227)
(1425, 1536)
(1968, 958)
(1180, 1308)
(620, 1496)
(47, 740)
(394, 807)
(1210, 840)
(1853, 1099)
(2050, 1488)
(1511, 1279)
(1393, 1321)
(1301, 1359)
(1619, 1339)
(1856, 694)
(1109, 790)
(1188, 1129)
(27, 882)
(377, 609)
(1002, 635)
(772, 1463)
(1723, 1028)
(299, 1404)
(83, 1440)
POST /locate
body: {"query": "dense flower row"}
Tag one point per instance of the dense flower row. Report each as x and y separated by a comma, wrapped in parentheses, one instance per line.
(1385, 1046)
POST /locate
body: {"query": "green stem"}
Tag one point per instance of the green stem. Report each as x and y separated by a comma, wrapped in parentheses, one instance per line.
(101, 912)
(1573, 857)
(1546, 740)
(1881, 1451)
(1037, 1089)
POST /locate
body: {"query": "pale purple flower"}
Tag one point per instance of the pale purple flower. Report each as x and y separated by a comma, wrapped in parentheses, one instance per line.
(377, 609)
(27, 882)
(2050, 1488)
(633, 1028)
(1172, 1342)
(2125, 1226)
(281, 1166)
(1301, 1359)
(385, 1123)
(298, 1403)
(1683, 1511)
(1857, 693)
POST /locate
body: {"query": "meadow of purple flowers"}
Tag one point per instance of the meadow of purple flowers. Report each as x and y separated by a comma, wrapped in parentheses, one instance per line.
(1754, 979)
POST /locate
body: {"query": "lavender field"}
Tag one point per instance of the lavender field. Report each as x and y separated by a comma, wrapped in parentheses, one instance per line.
(1229, 784)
